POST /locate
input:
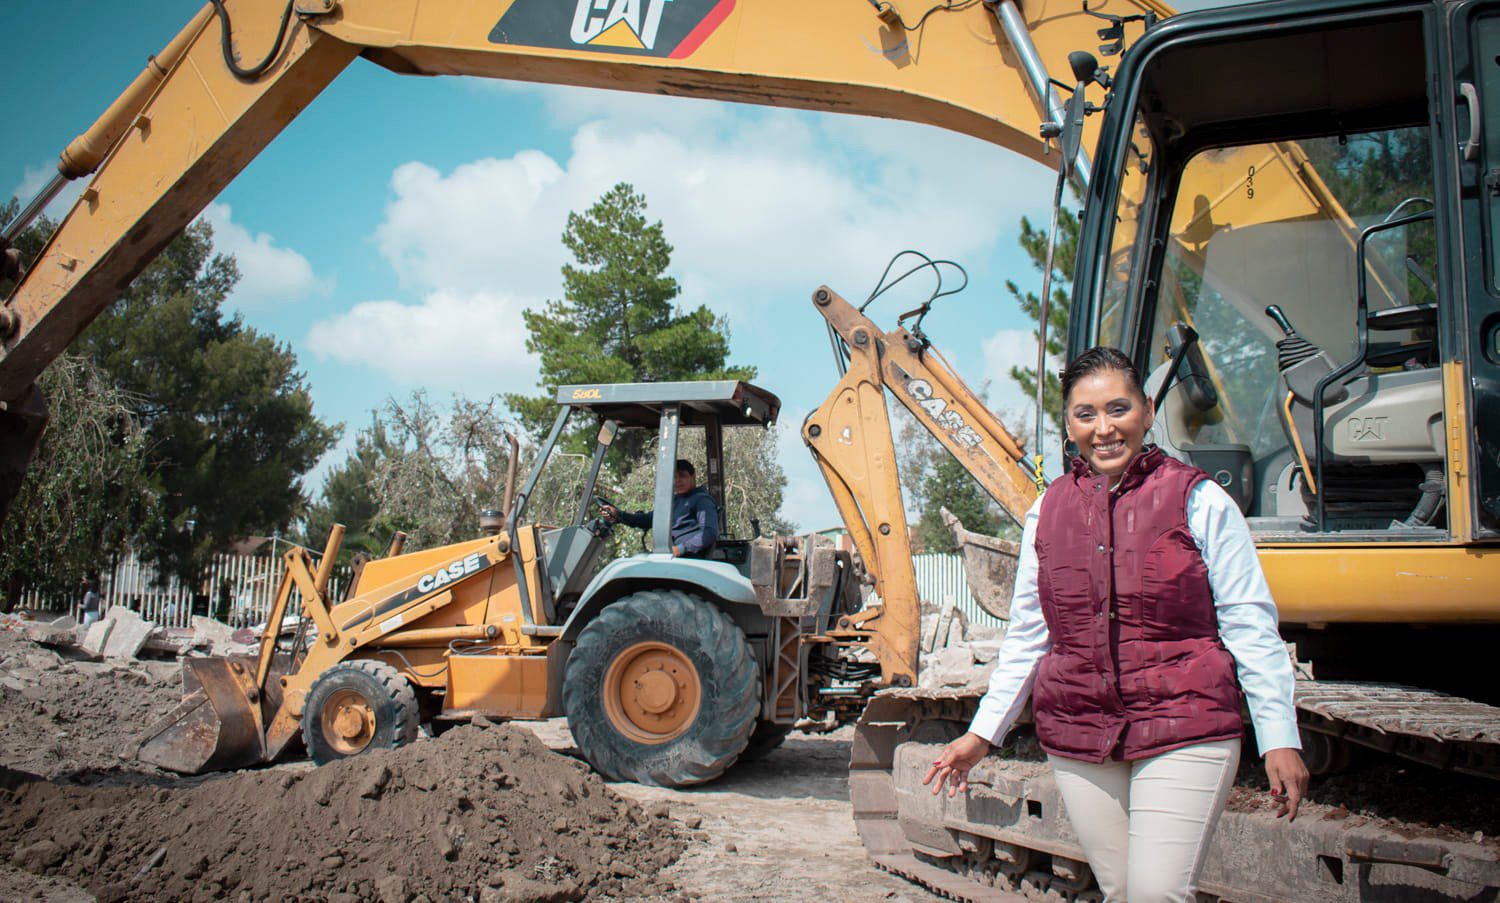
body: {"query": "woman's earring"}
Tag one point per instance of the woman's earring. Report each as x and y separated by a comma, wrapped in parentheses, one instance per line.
(1070, 448)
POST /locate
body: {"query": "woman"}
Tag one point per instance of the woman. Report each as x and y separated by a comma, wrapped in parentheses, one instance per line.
(1140, 615)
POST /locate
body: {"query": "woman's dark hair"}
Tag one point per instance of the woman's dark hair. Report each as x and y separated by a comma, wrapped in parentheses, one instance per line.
(1096, 360)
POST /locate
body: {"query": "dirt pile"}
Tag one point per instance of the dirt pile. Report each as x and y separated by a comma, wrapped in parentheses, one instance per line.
(481, 813)
(63, 716)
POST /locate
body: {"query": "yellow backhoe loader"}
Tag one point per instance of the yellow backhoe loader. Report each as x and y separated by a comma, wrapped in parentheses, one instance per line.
(669, 669)
(1323, 337)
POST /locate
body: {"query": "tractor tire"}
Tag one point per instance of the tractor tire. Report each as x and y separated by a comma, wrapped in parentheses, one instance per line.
(662, 688)
(767, 736)
(358, 706)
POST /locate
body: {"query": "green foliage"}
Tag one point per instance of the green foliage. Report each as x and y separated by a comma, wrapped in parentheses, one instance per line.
(85, 491)
(950, 486)
(617, 321)
(1034, 243)
(229, 418)
(931, 480)
(227, 421)
(348, 498)
(432, 472)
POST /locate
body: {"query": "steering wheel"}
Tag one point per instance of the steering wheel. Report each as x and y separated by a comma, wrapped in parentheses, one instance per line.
(601, 526)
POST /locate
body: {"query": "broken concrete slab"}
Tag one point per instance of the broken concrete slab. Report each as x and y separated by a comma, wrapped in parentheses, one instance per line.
(95, 637)
(215, 634)
(172, 641)
(128, 635)
(950, 666)
(48, 635)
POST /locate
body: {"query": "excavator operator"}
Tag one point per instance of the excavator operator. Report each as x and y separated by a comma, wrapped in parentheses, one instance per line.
(695, 517)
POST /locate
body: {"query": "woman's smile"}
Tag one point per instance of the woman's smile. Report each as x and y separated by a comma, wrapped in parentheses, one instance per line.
(1108, 418)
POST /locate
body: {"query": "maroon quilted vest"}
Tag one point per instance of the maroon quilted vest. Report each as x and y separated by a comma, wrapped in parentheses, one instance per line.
(1136, 666)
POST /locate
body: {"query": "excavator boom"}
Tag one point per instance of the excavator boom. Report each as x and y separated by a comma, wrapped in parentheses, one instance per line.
(184, 128)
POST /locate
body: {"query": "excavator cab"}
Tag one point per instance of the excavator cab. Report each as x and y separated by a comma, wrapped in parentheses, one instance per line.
(1281, 278)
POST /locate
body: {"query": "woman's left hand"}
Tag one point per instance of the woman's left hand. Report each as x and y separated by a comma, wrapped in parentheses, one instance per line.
(1288, 778)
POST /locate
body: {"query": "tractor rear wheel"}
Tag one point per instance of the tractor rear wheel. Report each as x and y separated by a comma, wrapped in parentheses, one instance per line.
(662, 689)
(358, 706)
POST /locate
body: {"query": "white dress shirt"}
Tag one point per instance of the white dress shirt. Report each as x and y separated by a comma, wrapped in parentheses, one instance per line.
(1242, 602)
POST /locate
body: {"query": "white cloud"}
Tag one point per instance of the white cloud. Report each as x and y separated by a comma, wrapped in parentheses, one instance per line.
(757, 203)
(269, 274)
(1017, 348)
(491, 225)
(471, 343)
(35, 178)
(761, 207)
(1003, 350)
(805, 502)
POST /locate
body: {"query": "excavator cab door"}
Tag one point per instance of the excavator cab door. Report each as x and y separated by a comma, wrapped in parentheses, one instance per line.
(1472, 34)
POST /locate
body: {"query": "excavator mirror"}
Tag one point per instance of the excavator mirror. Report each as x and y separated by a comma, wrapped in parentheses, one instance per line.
(607, 431)
(1085, 70)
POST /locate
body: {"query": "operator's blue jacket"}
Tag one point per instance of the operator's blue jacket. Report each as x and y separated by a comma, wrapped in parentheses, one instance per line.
(695, 521)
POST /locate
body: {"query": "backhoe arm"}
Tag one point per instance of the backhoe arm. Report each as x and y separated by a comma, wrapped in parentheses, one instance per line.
(850, 438)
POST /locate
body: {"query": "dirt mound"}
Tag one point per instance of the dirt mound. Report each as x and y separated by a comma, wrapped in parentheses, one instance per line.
(63, 716)
(479, 813)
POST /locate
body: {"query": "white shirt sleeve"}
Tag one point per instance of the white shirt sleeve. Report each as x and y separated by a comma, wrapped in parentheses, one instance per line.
(1026, 641)
(1246, 613)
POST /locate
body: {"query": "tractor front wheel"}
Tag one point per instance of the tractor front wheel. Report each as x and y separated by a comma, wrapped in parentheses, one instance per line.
(662, 689)
(357, 706)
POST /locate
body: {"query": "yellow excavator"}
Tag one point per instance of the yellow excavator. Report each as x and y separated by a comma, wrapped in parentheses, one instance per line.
(1289, 223)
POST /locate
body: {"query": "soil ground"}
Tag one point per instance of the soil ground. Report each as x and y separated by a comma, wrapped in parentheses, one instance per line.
(77, 822)
(776, 829)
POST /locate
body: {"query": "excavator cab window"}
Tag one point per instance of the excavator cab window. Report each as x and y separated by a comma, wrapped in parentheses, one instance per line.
(1257, 238)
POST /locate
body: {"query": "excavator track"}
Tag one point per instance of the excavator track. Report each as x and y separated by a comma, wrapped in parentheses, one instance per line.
(1446, 732)
(1007, 837)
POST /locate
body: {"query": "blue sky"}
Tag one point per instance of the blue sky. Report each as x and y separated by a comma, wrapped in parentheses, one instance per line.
(393, 233)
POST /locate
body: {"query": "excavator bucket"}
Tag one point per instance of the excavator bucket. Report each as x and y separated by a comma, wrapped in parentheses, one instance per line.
(218, 725)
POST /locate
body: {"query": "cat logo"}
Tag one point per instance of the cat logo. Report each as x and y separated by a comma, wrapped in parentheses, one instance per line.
(581, 394)
(659, 28)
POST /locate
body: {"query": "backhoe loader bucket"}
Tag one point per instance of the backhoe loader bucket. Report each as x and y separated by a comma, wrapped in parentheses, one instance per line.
(218, 725)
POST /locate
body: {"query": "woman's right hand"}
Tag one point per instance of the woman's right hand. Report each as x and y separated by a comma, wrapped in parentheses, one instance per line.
(954, 763)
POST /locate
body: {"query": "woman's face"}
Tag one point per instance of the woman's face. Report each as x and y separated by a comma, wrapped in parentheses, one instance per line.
(1107, 418)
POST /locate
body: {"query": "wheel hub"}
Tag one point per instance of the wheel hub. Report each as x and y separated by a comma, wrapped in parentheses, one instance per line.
(348, 722)
(651, 692)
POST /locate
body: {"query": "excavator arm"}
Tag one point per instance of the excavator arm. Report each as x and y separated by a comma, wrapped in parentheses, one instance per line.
(202, 109)
(190, 122)
(851, 439)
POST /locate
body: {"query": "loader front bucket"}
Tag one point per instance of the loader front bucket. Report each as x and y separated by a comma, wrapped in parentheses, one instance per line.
(218, 724)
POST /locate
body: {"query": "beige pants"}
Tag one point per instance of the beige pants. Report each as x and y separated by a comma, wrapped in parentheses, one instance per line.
(1145, 825)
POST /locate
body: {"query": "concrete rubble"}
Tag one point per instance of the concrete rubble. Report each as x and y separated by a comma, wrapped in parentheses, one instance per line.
(94, 638)
(955, 652)
(123, 635)
(127, 634)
